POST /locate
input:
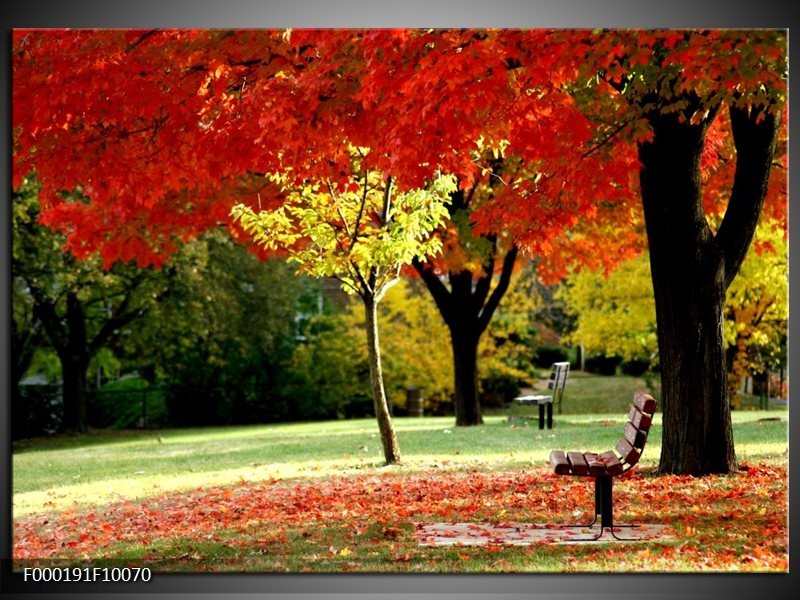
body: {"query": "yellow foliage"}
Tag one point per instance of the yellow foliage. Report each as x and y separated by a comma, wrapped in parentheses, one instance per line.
(505, 350)
(757, 307)
(615, 314)
(414, 340)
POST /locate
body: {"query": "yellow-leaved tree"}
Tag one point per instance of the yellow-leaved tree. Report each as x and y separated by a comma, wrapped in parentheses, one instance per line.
(615, 314)
(757, 308)
(361, 234)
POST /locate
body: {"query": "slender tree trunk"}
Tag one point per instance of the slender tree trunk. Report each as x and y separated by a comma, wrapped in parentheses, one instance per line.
(691, 269)
(391, 449)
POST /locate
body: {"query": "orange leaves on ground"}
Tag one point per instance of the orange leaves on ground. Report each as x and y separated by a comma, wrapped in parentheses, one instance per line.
(726, 522)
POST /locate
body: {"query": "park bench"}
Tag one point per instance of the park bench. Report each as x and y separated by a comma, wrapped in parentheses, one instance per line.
(607, 465)
(557, 382)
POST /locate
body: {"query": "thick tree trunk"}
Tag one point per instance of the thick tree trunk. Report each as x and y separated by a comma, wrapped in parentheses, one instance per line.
(691, 269)
(697, 434)
(73, 391)
(391, 449)
(465, 363)
(74, 357)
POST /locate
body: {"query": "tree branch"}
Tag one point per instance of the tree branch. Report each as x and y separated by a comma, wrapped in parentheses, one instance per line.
(484, 284)
(499, 291)
(387, 202)
(441, 295)
(754, 135)
(339, 210)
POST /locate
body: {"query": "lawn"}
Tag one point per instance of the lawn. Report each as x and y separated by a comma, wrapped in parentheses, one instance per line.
(316, 496)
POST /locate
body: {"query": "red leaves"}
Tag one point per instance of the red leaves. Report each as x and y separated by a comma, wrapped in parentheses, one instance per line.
(732, 522)
(160, 128)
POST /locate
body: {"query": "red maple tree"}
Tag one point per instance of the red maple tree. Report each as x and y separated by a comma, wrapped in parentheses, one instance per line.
(704, 109)
(164, 130)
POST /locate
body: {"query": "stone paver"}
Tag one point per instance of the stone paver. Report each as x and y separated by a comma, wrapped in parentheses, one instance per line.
(525, 534)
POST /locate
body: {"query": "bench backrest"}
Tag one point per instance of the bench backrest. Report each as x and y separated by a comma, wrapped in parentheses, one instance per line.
(558, 376)
(558, 381)
(640, 418)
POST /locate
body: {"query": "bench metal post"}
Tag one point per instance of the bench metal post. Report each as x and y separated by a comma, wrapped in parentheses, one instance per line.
(603, 500)
(545, 408)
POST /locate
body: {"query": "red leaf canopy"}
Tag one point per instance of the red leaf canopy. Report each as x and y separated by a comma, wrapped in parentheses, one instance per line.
(162, 131)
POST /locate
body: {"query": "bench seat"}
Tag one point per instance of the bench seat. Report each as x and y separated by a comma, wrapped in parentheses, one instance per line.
(557, 382)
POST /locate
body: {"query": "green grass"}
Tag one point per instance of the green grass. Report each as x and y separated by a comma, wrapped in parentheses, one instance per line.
(53, 473)
(59, 482)
(67, 485)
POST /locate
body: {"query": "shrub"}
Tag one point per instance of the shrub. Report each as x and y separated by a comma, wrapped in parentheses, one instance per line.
(498, 390)
(36, 410)
(635, 367)
(602, 365)
(547, 354)
(127, 403)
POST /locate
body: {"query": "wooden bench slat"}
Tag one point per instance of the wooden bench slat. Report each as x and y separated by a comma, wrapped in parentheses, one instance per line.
(534, 399)
(560, 463)
(636, 437)
(628, 453)
(596, 465)
(558, 375)
(578, 463)
(612, 463)
(644, 402)
(639, 419)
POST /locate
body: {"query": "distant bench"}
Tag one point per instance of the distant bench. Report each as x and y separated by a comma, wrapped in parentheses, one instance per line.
(557, 383)
(607, 465)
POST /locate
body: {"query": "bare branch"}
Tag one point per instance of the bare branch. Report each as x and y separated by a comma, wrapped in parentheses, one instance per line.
(387, 201)
(339, 210)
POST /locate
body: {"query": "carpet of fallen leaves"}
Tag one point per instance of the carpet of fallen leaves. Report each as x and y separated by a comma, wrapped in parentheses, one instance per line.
(365, 523)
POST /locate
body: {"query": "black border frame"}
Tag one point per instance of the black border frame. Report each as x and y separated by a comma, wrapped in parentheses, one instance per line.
(378, 13)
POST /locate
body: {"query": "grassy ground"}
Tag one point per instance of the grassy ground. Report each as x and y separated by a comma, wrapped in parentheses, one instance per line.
(305, 469)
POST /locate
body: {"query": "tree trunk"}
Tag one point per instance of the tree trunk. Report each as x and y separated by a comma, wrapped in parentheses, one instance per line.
(465, 366)
(74, 357)
(24, 341)
(697, 435)
(467, 308)
(391, 449)
(691, 270)
(73, 392)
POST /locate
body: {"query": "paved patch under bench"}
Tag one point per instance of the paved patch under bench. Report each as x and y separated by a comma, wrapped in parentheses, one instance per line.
(525, 534)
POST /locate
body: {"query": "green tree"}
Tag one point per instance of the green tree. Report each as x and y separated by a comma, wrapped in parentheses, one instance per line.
(221, 339)
(328, 371)
(362, 235)
(80, 307)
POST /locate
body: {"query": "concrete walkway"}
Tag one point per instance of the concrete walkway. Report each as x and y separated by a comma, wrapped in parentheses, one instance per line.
(526, 534)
